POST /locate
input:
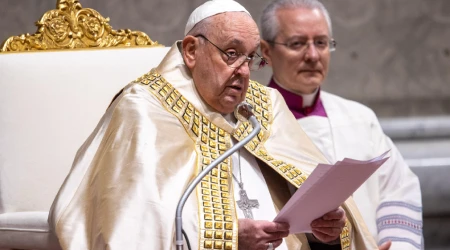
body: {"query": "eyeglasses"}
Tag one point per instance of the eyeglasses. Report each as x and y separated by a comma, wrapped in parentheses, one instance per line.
(300, 46)
(235, 60)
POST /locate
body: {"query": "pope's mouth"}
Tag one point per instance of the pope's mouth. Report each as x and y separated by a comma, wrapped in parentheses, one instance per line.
(235, 91)
(235, 88)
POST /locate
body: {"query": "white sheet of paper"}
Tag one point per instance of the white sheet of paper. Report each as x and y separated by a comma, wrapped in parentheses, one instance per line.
(326, 189)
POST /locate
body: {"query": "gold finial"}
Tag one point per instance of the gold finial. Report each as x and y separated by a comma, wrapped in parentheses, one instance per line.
(71, 26)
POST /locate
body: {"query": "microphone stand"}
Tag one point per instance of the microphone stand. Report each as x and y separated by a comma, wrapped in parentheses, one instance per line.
(243, 113)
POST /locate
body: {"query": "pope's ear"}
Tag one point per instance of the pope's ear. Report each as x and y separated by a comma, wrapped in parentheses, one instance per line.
(190, 45)
(266, 51)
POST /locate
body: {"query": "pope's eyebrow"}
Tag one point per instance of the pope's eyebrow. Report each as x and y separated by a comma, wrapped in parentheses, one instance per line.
(236, 41)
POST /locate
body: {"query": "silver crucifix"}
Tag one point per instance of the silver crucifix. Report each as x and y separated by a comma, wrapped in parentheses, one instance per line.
(245, 204)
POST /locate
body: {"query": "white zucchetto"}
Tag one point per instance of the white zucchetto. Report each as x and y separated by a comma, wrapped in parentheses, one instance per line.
(211, 8)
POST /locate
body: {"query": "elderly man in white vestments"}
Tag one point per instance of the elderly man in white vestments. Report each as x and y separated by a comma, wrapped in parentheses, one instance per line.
(166, 126)
(297, 41)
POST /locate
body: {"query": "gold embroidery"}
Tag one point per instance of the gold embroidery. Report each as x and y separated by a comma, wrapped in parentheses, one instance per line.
(218, 244)
(208, 234)
(257, 97)
(346, 236)
(211, 142)
(208, 244)
(217, 200)
(228, 246)
(218, 235)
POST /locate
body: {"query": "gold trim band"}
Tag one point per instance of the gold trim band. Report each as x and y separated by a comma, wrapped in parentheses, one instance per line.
(217, 213)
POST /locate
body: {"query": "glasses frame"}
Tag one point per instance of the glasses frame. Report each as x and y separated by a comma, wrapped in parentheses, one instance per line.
(247, 58)
(331, 45)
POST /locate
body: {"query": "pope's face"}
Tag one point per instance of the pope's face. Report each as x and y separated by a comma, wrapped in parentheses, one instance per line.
(300, 71)
(223, 87)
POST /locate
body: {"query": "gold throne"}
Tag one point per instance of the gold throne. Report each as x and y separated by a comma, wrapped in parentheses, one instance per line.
(70, 26)
(55, 86)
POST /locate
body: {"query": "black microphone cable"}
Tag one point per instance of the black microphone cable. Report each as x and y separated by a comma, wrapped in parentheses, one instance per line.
(186, 238)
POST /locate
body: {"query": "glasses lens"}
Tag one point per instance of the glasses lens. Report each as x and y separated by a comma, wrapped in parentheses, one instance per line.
(236, 61)
(333, 45)
(256, 63)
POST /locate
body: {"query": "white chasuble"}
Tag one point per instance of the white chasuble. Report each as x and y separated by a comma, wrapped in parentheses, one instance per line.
(158, 134)
(390, 200)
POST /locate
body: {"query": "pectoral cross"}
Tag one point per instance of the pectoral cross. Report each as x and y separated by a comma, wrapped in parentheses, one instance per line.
(245, 204)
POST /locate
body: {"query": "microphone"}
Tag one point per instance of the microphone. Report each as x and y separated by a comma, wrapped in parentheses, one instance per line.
(243, 112)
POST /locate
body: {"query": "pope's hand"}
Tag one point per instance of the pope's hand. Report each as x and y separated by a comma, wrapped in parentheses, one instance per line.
(257, 234)
(386, 245)
(329, 227)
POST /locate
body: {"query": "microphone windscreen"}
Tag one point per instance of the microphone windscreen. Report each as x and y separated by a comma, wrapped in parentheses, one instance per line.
(243, 111)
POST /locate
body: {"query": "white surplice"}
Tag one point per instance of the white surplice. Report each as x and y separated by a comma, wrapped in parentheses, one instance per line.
(390, 200)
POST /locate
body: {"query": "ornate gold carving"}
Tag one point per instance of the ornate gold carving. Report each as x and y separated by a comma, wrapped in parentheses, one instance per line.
(70, 26)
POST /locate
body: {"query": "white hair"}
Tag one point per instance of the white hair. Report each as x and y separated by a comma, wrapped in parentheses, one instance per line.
(269, 20)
